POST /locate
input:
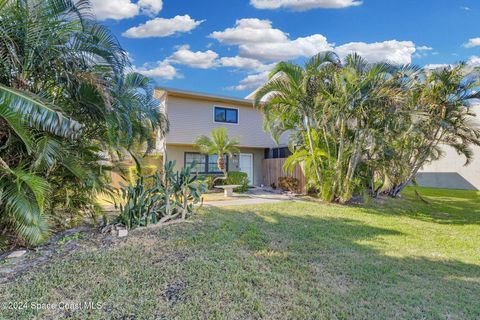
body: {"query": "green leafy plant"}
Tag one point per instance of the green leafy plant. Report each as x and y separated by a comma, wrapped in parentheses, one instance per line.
(210, 180)
(172, 196)
(68, 109)
(75, 236)
(358, 127)
(237, 178)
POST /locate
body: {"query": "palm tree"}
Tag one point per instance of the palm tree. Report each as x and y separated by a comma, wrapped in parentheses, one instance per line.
(220, 144)
(359, 97)
(288, 99)
(443, 99)
(64, 98)
(326, 107)
(137, 118)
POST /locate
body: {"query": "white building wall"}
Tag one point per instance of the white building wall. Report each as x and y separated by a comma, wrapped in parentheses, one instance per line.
(450, 171)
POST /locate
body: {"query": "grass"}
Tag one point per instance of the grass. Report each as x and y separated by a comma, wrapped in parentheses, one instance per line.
(292, 260)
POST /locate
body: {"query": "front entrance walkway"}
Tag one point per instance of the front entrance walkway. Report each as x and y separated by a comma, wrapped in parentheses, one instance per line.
(253, 196)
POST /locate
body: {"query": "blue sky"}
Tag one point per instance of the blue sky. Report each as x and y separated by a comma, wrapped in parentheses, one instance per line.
(227, 47)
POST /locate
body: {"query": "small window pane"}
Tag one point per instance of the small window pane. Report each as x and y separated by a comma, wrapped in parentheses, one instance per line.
(200, 159)
(232, 116)
(220, 115)
(226, 115)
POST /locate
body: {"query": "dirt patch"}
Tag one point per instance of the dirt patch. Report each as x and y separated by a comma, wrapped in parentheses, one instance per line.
(60, 245)
(173, 292)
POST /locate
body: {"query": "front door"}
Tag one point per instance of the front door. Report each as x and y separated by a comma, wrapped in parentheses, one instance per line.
(246, 165)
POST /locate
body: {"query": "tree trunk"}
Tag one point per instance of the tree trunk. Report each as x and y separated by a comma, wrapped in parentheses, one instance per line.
(338, 166)
(221, 164)
(418, 164)
(312, 149)
(4, 165)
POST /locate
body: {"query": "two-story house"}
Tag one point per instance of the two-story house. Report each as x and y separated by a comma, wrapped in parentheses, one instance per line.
(193, 114)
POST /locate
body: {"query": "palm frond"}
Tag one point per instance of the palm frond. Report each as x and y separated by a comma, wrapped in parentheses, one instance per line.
(39, 113)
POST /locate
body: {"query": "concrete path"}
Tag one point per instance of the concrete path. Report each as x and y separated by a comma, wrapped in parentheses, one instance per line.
(252, 197)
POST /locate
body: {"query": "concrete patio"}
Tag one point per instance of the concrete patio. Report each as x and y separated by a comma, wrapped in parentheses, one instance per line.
(253, 196)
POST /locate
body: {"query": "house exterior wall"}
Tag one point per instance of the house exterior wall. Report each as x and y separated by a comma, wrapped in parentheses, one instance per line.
(191, 118)
(450, 172)
(192, 115)
(177, 153)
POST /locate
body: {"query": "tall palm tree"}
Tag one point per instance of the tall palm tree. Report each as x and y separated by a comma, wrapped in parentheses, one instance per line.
(327, 106)
(443, 98)
(62, 89)
(288, 99)
(358, 97)
(220, 144)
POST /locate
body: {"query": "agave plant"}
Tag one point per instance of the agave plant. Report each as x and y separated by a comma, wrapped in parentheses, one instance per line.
(172, 197)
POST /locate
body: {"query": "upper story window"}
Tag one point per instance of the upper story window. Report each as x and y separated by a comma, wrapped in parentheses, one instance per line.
(226, 115)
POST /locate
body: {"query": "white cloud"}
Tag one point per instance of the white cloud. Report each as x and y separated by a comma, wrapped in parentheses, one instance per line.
(209, 59)
(122, 9)
(290, 49)
(160, 27)
(258, 40)
(198, 59)
(150, 7)
(435, 66)
(398, 52)
(252, 81)
(424, 48)
(260, 45)
(466, 8)
(163, 70)
(248, 31)
(393, 51)
(304, 4)
(241, 63)
(474, 61)
(423, 51)
(474, 42)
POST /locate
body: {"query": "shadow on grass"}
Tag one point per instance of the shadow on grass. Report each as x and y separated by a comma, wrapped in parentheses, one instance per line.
(283, 261)
(457, 207)
(335, 258)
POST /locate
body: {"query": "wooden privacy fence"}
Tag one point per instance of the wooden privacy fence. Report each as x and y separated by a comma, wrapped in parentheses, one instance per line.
(273, 169)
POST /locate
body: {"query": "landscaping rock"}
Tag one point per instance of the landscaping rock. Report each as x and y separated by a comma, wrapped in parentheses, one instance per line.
(122, 233)
(16, 254)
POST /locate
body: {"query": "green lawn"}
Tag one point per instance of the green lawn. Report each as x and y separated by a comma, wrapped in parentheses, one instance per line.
(297, 260)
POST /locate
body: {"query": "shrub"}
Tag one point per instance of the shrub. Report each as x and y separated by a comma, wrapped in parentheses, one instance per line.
(211, 180)
(237, 177)
(288, 184)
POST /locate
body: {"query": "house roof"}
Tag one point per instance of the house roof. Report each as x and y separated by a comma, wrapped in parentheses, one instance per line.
(205, 96)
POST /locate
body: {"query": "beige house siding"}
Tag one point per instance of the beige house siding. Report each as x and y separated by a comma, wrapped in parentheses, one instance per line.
(450, 171)
(177, 153)
(190, 118)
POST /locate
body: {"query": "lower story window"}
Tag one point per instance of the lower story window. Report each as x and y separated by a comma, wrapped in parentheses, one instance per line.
(198, 158)
(204, 163)
(276, 153)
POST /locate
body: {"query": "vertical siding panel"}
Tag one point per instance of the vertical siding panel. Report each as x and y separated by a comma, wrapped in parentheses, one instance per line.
(273, 169)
